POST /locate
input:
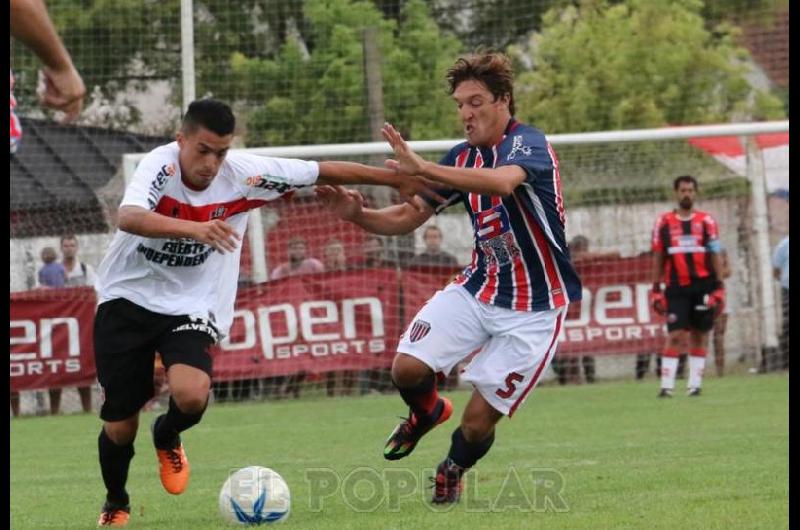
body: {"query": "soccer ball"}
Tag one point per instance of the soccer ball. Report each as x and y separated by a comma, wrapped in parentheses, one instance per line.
(254, 495)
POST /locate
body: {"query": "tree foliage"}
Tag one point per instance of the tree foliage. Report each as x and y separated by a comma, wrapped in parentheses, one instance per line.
(635, 64)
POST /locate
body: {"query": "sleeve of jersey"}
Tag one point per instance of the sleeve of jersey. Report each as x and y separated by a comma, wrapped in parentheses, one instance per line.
(713, 243)
(267, 178)
(148, 182)
(658, 244)
(451, 196)
(530, 151)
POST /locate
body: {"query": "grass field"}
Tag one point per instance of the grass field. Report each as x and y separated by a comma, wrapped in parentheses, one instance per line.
(609, 455)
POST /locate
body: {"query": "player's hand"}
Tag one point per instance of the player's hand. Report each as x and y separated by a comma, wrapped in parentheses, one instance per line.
(217, 234)
(659, 302)
(407, 161)
(344, 203)
(715, 300)
(412, 185)
(62, 90)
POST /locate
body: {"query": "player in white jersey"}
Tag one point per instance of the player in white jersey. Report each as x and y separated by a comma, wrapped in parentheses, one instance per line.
(168, 281)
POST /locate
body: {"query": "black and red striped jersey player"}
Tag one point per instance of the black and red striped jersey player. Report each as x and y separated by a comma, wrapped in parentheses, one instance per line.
(687, 286)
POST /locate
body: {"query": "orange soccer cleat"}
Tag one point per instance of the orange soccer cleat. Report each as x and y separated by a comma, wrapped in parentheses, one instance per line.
(114, 515)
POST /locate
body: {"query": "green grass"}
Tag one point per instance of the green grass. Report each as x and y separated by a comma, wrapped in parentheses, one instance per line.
(624, 460)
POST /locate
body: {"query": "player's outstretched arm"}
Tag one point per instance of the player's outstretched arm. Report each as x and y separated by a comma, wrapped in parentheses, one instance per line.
(142, 222)
(63, 86)
(338, 173)
(499, 181)
(393, 220)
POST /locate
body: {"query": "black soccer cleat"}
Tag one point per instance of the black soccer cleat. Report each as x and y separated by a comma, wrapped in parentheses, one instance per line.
(405, 436)
(665, 393)
(447, 484)
(693, 392)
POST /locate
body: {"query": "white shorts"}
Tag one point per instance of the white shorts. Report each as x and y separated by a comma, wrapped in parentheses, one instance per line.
(516, 347)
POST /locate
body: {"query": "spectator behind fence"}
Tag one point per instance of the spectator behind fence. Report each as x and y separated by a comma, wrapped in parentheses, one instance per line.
(780, 264)
(299, 262)
(433, 255)
(375, 380)
(333, 256)
(77, 273)
(334, 259)
(567, 368)
(374, 252)
(52, 273)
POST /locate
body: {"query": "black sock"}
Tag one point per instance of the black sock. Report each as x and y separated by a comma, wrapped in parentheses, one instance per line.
(465, 454)
(114, 463)
(169, 426)
(422, 397)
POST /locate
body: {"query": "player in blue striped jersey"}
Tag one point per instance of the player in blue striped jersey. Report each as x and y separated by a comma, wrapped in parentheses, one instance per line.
(510, 301)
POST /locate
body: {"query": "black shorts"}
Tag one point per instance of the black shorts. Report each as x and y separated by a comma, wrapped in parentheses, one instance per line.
(686, 308)
(126, 338)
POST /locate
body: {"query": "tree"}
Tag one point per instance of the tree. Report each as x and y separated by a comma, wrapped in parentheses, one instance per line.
(317, 94)
(635, 64)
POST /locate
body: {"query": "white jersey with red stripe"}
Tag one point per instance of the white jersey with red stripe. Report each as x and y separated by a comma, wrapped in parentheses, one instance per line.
(520, 259)
(184, 276)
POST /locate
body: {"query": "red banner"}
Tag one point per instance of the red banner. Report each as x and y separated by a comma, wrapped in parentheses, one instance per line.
(332, 321)
(614, 315)
(51, 338)
(316, 323)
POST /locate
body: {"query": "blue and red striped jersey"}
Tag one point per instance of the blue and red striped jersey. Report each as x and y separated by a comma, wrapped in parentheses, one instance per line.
(519, 259)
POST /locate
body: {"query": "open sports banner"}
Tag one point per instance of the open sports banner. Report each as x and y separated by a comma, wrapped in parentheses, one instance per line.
(614, 315)
(348, 320)
(51, 338)
(316, 323)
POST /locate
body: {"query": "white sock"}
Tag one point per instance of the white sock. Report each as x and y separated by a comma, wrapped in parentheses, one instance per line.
(669, 365)
(697, 365)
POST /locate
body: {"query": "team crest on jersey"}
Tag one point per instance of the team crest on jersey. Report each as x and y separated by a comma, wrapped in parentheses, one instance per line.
(419, 330)
(518, 147)
(219, 212)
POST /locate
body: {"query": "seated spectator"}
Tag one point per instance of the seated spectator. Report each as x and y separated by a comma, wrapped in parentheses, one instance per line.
(299, 262)
(433, 254)
(52, 274)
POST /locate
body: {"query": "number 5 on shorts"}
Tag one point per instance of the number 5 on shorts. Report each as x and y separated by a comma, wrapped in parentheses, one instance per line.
(511, 386)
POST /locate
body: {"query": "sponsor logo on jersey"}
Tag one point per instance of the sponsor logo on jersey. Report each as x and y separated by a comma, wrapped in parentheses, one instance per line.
(518, 147)
(158, 183)
(271, 182)
(419, 330)
(219, 212)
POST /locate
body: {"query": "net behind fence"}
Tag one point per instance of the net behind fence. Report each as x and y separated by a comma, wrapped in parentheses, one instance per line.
(331, 72)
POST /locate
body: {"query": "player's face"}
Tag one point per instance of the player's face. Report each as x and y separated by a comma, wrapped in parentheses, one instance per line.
(685, 195)
(483, 116)
(202, 154)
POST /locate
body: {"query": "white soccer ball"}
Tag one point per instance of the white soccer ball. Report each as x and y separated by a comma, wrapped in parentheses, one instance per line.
(254, 495)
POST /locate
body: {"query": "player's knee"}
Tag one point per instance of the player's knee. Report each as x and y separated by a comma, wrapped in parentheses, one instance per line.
(192, 400)
(122, 432)
(409, 371)
(476, 429)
